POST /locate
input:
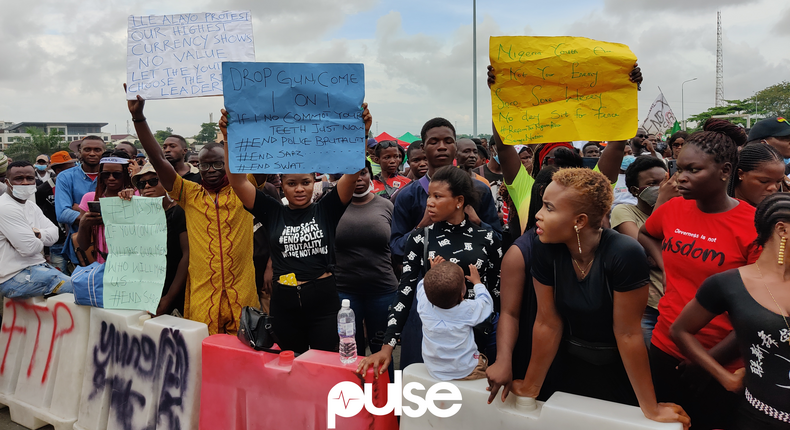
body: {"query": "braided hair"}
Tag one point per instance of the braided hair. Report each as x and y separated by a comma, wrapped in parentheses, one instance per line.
(719, 138)
(751, 157)
(773, 209)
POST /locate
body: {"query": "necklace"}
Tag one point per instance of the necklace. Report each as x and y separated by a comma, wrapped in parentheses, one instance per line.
(781, 312)
(583, 271)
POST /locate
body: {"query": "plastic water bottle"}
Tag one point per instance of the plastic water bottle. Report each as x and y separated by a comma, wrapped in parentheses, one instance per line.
(346, 329)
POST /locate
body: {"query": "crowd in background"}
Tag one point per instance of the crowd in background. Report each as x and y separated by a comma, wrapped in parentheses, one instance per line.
(644, 272)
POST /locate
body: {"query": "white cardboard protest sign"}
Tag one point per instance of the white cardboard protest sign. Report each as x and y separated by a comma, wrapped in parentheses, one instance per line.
(181, 55)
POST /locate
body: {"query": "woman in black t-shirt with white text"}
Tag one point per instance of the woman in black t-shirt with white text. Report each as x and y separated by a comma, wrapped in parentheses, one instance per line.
(301, 237)
(592, 287)
(757, 299)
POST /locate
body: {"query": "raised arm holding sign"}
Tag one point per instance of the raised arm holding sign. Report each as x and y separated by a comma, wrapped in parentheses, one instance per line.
(559, 89)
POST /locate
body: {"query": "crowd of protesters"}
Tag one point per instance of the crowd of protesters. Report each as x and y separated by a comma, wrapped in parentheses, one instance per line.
(594, 269)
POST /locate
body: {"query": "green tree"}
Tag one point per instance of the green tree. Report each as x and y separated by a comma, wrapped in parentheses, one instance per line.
(161, 135)
(38, 143)
(745, 106)
(775, 100)
(208, 133)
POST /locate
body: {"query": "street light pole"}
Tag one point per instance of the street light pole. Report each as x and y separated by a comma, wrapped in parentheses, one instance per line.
(682, 103)
(474, 68)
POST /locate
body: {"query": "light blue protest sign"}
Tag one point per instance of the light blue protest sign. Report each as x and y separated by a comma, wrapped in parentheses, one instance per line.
(294, 117)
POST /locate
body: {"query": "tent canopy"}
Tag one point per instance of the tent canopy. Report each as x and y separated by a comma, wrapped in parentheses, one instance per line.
(386, 136)
(408, 137)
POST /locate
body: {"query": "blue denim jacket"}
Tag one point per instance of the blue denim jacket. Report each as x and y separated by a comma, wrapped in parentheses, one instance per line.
(71, 186)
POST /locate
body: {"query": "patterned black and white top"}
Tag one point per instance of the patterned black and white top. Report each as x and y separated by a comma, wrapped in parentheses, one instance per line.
(462, 244)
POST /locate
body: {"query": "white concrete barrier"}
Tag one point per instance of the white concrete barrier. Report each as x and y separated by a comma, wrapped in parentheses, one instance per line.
(141, 373)
(43, 344)
(562, 411)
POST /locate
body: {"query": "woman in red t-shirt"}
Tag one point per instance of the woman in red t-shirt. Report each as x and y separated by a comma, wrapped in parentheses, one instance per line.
(704, 233)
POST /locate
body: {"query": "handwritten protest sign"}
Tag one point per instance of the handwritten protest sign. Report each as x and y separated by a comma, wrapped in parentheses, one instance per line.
(559, 89)
(136, 233)
(175, 56)
(295, 117)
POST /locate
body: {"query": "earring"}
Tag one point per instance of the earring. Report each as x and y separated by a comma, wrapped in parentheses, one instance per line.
(578, 239)
(782, 245)
(458, 207)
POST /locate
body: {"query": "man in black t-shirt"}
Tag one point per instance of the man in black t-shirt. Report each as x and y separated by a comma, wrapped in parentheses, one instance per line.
(45, 199)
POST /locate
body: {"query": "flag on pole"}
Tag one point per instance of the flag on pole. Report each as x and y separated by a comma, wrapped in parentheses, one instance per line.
(660, 117)
(675, 128)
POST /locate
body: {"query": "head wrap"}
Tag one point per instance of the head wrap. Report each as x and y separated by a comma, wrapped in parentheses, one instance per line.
(3, 163)
(544, 152)
(113, 160)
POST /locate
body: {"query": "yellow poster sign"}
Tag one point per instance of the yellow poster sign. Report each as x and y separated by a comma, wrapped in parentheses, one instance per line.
(559, 89)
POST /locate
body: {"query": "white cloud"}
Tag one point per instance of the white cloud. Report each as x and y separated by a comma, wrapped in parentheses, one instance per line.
(64, 60)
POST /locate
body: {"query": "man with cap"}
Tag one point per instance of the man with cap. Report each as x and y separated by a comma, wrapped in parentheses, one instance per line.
(45, 199)
(370, 152)
(42, 169)
(775, 132)
(75, 183)
(24, 232)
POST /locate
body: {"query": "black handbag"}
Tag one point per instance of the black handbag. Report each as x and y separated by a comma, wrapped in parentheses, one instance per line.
(255, 330)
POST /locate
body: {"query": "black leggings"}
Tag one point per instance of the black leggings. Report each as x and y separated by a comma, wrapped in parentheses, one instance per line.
(709, 405)
(305, 316)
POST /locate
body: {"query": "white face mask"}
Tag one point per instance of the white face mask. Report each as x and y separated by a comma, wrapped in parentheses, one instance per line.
(23, 192)
(370, 188)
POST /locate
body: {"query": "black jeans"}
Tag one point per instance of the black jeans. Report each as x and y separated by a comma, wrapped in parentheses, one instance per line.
(709, 405)
(305, 316)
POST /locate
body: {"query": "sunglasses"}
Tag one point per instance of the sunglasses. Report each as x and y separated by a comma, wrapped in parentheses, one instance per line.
(152, 182)
(217, 165)
(677, 145)
(384, 144)
(115, 175)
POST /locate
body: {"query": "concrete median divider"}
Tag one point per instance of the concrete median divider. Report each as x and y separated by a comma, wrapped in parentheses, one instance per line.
(561, 411)
(83, 368)
(141, 373)
(43, 343)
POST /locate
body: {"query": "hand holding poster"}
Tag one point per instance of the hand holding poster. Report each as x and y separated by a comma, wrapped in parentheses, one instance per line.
(136, 233)
(295, 117)
(175, 56)
(560, 89)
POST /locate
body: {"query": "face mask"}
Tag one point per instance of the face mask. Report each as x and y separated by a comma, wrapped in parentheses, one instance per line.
(627, 160)
(41, 167)
(649, 195)
(370, 188)
(24, 192)
(787, 160)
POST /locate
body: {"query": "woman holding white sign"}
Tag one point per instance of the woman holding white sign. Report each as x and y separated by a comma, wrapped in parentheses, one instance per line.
(304, 302)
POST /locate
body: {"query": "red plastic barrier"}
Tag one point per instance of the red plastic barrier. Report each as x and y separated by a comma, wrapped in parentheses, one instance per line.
(246, 389)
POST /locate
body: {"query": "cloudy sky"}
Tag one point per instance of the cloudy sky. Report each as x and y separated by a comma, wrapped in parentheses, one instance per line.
(64, 60)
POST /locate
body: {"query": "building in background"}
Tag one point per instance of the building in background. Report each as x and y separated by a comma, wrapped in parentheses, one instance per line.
(10, 132)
